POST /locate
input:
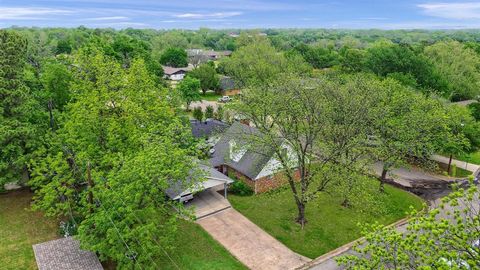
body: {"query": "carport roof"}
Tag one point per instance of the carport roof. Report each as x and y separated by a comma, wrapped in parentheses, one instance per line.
(213, 178)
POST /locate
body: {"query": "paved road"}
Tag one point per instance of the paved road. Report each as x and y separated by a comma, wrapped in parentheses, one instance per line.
(250, 244)
(460, 164)
(203, 104)
(407, 177)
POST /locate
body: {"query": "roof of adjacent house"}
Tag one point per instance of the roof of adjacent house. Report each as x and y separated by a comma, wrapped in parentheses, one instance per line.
(173, 70)
(207, 128)
(191, 185)
(252, 161)
(227, 83)
(65, 253)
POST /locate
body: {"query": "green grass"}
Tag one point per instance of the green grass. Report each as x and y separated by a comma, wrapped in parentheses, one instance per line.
(329, 224)
(198, 250)
(470, 157)
(210, 96)
(459, 172)
(20, 228)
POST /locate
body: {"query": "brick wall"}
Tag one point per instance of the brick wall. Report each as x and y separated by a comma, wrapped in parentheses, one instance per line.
(263, 184)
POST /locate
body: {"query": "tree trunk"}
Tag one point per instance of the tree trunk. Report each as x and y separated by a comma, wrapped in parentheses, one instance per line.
(383, 179)
(301, 214)
(449, 164)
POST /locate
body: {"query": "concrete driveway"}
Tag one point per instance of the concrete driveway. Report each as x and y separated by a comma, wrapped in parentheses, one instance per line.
(207, 203)
(248, 243)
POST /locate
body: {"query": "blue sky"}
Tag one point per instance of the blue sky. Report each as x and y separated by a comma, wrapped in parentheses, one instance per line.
(192, 14)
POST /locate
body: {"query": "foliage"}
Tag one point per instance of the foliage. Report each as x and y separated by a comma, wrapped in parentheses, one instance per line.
(198, 113)
(219, 113)
(119, 144)
(174, 57)
(189, 89)
(318, 56)
(240, 188)
(444, 238)
(459, 66)
(475, 110)
(209, 112)
(208, 77)
(20, 117)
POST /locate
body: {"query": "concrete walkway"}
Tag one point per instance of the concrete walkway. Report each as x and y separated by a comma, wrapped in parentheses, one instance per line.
(460, 164)
(248, 243)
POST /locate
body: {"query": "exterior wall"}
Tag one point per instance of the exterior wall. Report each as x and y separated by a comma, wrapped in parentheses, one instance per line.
(260, 185)
(277, 180)
(231, 92)
(274, 165)
(177, 77)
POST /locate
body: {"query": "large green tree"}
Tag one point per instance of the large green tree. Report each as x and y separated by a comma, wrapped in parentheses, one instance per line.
(174, 57)
(18, 110)
(108, 165)
(189, 89)
(208, 77)
(459, 65)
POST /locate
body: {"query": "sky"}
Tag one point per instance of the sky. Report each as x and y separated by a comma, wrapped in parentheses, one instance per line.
(193, 14)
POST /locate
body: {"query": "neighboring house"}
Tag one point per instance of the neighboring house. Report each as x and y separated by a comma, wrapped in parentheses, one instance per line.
(199, 56)
(207, 128)
(227, 86)
(175, 74)
(184, 191)
(258, 167)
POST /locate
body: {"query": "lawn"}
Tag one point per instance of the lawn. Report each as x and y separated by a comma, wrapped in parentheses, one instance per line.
(470, 157)
(20, 228)
(329, 224)
(198, 250)
(210, 96)
(459, 172)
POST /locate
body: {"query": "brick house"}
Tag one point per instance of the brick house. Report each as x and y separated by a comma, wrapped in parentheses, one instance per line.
(258, 167)
(228, 87)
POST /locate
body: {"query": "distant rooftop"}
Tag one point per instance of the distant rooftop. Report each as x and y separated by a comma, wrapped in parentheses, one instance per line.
(65, 253)
(207, 128)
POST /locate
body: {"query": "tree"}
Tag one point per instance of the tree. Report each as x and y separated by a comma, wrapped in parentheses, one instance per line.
(475, 109)
(198, 113)
(219, 113)
(189, 89)
(119, 147)
(20, 116)
(317, 56)
(443, 238)
(459, 66)
(208, 77)
(407, 126)
(323, 121)
(174, 57)
(63, 46)
(260, 63)
(209, 112)
(459, 123)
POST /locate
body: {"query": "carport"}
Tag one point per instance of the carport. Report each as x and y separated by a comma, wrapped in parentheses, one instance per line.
(203, 197)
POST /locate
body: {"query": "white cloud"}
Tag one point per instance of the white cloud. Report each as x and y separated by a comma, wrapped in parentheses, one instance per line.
(113, 18)
(215, 15)
(29, 13)
(460, 11)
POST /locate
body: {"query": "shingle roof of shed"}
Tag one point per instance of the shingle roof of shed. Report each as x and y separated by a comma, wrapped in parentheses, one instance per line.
(65, 253)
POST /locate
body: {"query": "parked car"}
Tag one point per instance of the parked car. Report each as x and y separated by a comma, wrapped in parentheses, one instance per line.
(225, 99)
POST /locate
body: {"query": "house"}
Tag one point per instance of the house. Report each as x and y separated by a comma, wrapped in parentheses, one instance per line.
(184, 191)
(200, 56)
(258, 167)
(175, 74)
(207, 128)
(227, 86)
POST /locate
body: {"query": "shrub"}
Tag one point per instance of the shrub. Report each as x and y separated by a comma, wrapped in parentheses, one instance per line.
(209, 112)
(240, 188)
(198, 113)
(475, 109)
(219, 113)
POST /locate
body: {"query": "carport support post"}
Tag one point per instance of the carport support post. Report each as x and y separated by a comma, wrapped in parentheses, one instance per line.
(225, 186)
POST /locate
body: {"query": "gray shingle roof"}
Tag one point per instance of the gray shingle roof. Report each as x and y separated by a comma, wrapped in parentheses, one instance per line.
(254, 159)
(207, 128)
(64, 254)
